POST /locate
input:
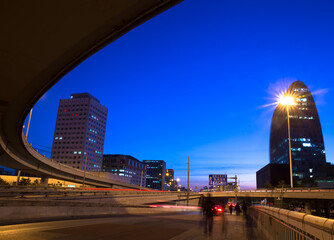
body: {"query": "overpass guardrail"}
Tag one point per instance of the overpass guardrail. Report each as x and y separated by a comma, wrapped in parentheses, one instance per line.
(281, 224)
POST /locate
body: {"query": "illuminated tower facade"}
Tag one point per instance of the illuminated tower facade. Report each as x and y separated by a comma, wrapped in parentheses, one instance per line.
(307, 143)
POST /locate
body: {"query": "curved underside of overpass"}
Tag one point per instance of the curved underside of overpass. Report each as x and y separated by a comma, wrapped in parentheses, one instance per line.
(41, 42)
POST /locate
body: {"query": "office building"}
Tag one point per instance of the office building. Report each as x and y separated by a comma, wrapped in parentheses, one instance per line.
(79, 133)
(171, 183)
(127, 166)
(155, 174)
(307, 144)
(272, 174)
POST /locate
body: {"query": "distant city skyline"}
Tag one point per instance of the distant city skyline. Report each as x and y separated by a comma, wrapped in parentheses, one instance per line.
(195, 80)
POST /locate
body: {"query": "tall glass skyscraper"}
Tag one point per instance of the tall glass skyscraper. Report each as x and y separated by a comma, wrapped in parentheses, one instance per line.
(307, 144)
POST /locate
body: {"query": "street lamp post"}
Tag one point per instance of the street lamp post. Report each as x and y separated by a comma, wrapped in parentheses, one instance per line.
(288, 100)
(27, 131)
(289, 136)
(177, 184)
(188, 189)
(28, 123)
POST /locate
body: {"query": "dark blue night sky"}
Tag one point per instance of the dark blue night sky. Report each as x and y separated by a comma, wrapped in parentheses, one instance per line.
(194, 81)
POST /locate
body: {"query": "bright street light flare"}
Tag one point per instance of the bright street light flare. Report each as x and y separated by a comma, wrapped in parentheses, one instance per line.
(287, 100)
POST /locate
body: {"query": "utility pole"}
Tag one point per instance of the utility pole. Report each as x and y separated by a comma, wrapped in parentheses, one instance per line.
(188, 184)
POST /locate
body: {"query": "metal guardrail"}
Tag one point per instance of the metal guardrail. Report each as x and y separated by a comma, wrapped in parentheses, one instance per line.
(281, 224)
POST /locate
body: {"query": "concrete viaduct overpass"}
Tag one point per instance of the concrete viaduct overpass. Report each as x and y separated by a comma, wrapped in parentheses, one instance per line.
(314, 201)
(279, 194)
(41, 42)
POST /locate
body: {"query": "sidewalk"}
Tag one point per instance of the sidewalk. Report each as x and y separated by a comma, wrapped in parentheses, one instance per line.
(228, 227)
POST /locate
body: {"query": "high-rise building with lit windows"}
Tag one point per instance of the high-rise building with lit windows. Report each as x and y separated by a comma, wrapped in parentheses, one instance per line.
(171, 183)
(79, 133)
(155, 174)
(307, 144)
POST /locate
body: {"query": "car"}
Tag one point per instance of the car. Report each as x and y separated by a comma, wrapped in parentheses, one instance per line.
(218, 210)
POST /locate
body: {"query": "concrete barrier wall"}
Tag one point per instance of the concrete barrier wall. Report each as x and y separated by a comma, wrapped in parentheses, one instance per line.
(36, 209)
(13, 214)
(277, 223)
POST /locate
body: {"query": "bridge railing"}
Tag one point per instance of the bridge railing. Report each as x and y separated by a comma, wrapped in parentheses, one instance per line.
(284, 190)
(282, 224)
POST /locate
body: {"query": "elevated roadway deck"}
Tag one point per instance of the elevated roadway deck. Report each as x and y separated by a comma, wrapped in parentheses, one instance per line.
(327, 194)
(41, 42)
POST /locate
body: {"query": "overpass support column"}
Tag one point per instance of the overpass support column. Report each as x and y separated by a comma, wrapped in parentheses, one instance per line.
(278, 202)
(308, 208)
(318, 208)
(45, 181)
(327, 210)
(18, 177)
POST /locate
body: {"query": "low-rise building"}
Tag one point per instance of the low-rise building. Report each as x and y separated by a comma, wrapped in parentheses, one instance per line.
(272, 174)
(126, 166)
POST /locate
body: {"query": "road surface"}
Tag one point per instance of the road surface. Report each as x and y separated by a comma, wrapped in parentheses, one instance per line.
(161, 227)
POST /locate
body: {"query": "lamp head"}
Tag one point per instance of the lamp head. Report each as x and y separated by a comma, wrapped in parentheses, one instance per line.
(287, 100)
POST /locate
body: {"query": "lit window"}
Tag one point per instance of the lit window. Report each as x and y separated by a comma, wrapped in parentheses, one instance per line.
(307, 144)
(301, 99)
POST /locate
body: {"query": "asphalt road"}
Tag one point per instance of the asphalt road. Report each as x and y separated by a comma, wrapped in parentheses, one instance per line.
(162, 227)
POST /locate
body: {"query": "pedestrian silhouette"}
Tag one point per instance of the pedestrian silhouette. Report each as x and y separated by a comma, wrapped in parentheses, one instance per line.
(208, 211)
(230, 208)
(244, 208)
(237, 209)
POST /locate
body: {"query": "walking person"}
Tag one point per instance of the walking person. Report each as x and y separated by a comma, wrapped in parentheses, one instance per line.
(244, 209)
(230, 208)
(237, 209)
(208, 211)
